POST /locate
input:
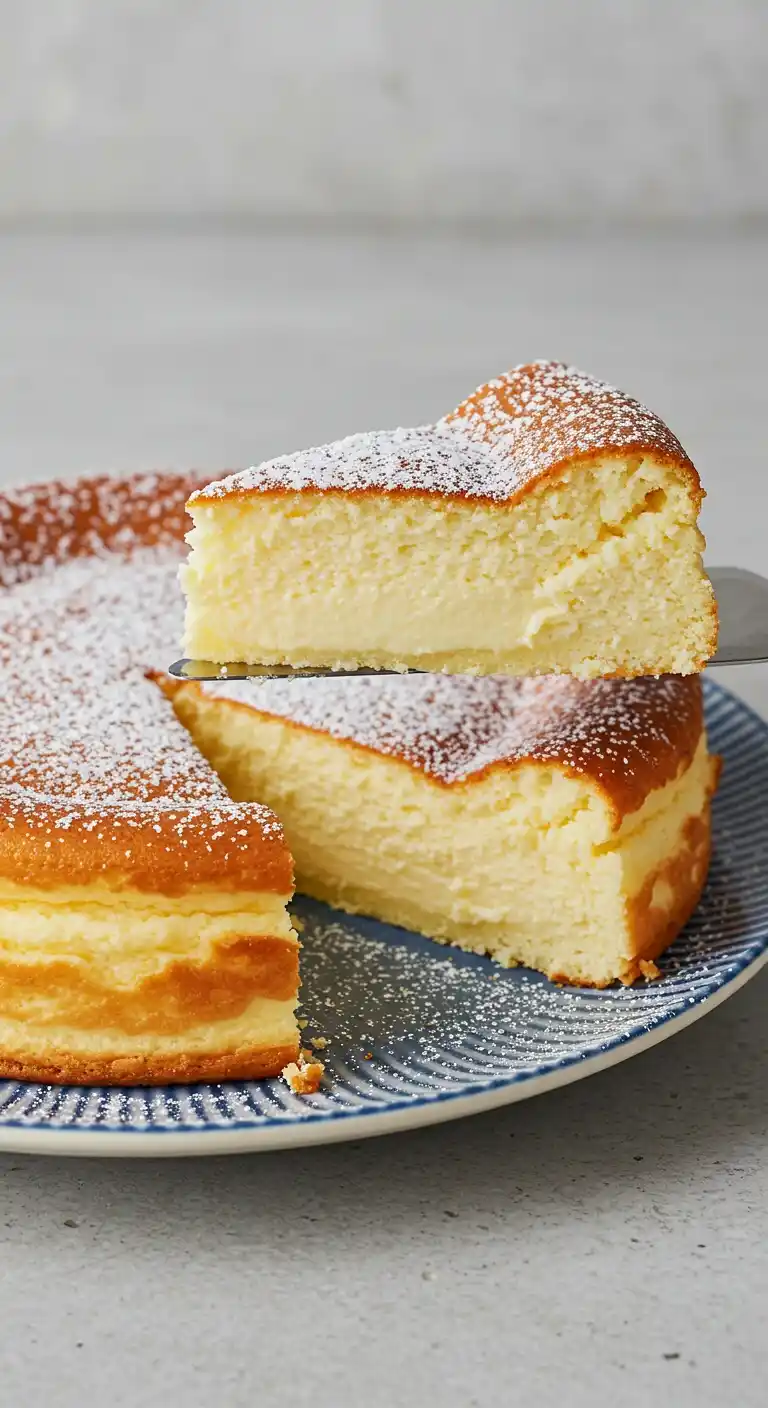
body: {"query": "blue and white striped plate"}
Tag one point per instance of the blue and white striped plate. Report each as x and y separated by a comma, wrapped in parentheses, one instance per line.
(420, 1033)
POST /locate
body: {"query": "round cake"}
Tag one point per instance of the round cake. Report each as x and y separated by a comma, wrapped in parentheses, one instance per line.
(144, 883)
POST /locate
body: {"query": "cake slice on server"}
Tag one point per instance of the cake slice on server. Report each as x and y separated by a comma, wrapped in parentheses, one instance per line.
(554, 823)
(547, 526)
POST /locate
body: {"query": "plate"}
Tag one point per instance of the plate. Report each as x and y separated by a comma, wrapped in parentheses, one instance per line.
(418, 1033)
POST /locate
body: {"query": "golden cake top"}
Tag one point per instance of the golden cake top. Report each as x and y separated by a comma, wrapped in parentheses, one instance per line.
(626, 736)
(97, 778)
(518, 429)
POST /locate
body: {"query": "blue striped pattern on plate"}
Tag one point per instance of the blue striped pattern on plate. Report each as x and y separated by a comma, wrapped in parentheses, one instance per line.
(418, 1032)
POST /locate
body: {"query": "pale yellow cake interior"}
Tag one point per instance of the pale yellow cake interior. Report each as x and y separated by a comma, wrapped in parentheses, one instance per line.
(597, 574)
(523, 864)
(117, 941)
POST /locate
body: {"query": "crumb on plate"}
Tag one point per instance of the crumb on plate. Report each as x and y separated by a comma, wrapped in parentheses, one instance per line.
(303, 1076)
(649, 969)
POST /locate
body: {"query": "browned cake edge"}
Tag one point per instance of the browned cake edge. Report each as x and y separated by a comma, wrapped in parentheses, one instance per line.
(651, 928)
(561, 418)
(666, 753)
(62, 1068)
(257, 861)
(170, 852)
(685, 873)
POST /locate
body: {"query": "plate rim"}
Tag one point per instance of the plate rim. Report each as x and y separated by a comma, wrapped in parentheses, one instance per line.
(317, 1126)
(341, 1126)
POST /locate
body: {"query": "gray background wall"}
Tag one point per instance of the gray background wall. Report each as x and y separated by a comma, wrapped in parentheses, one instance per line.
(489, 112)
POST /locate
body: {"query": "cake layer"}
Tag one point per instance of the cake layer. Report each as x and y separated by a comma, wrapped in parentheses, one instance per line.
(143, 925)
(548, 526)
(109, 984)
(260, 1044)
(551, 823)
(139, 939)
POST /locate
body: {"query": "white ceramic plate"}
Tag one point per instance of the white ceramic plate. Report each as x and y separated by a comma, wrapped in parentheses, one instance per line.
(419, 1033)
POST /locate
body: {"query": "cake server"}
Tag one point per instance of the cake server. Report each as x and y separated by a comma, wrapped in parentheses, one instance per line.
(742, 604)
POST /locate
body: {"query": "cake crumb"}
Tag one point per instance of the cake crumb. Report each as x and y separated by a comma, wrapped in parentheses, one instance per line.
(649, 969)
(303, 1076)
(319, 1042)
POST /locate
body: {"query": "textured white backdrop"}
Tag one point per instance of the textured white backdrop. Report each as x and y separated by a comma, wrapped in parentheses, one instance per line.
(394, 111)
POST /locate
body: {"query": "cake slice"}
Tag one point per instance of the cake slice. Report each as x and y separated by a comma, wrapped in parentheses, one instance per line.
(547, 526)
(555, 823)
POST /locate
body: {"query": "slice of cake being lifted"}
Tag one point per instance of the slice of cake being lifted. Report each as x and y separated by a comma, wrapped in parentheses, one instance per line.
(555, 823)
(547, 526)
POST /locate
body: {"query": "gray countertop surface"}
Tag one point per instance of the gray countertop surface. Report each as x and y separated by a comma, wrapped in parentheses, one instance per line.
(602, 1244)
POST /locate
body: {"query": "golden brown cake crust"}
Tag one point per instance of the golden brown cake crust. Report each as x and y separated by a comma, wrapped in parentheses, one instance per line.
(166, 853)
(560, 416)
(654, 927)
(526, 426)
(45, 524)
(97, 778)
(62, 1068)
(626, 737)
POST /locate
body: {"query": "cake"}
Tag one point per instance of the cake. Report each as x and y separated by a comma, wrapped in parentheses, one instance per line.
(145, 877)
(547, 526)
(553, 822)
(144, 935)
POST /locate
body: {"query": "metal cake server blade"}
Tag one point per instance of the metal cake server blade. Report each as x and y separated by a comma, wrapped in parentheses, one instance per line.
(742, 603)
(239, 670)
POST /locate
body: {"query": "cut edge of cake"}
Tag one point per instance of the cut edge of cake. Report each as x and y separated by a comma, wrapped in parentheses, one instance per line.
(144, 929)
(551, 857)
(548, 525)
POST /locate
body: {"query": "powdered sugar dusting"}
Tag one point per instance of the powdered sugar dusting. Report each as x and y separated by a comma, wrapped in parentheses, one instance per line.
(499, 441)
(630, 734)
(424, 460)
(86, 740)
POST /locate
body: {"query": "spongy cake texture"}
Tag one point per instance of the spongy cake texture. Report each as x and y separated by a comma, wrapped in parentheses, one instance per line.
(551, 822)
(144, 934)
(549, 525)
